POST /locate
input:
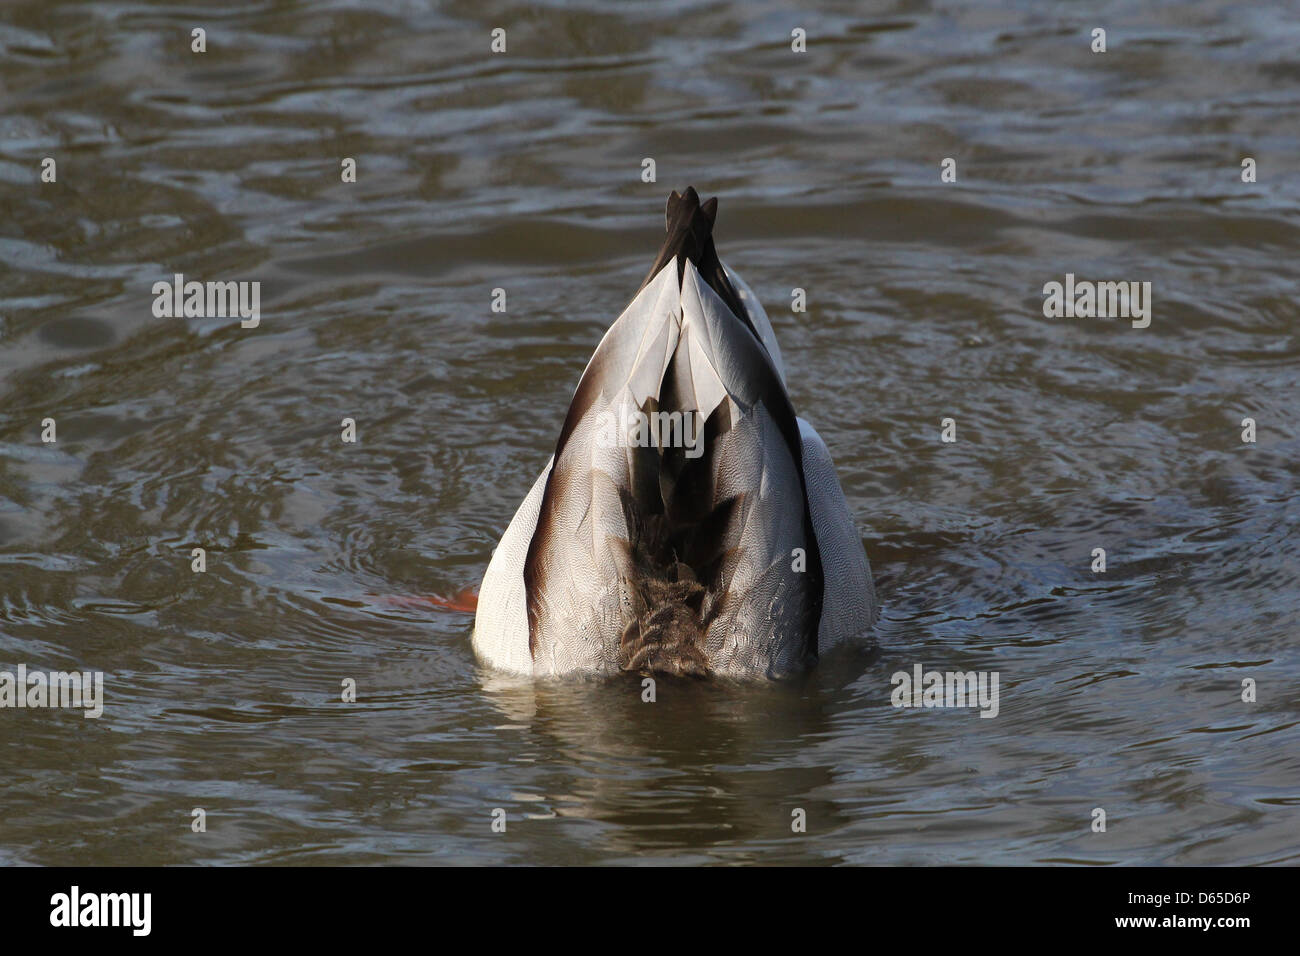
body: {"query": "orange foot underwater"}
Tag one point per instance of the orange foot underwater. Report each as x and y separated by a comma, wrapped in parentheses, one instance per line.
(466, 601)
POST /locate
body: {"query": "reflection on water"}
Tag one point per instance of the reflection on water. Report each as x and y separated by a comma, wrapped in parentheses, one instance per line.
(1118, 690)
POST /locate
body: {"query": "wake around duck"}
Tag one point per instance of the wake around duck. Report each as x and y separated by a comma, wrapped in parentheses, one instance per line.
(688, 523)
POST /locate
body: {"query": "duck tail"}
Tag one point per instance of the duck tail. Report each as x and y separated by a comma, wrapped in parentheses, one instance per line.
(689, 224)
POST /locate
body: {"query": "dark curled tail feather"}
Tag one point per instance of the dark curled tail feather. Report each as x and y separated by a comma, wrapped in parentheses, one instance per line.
(689, 224)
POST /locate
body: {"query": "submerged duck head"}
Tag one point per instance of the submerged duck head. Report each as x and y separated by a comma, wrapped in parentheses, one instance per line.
(688, 522)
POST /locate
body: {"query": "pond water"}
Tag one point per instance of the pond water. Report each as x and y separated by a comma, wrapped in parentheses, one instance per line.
(1120, 690)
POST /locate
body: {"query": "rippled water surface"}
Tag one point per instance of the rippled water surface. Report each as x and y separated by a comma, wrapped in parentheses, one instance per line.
(1119, 690)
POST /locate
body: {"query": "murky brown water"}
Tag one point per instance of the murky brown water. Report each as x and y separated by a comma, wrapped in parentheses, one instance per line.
(1119, 690)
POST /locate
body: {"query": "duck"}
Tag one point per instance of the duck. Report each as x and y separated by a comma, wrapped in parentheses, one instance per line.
(688, 522)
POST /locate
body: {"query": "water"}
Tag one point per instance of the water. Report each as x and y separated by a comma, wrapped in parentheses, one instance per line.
(1119, 690)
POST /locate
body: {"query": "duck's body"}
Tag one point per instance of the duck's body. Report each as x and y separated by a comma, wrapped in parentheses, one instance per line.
(688, 521)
